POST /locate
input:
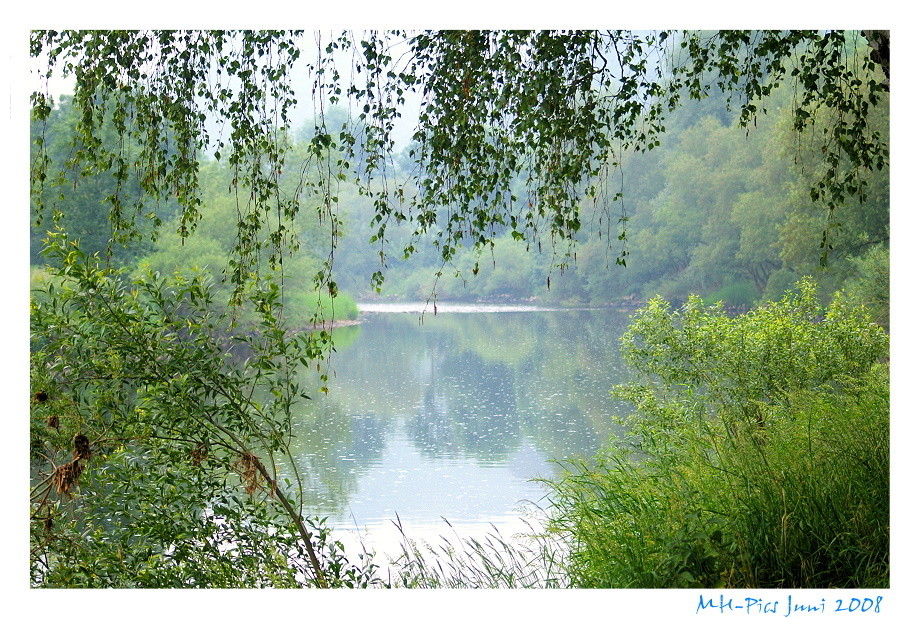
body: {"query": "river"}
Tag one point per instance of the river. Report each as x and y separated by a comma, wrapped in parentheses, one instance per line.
(449, 417)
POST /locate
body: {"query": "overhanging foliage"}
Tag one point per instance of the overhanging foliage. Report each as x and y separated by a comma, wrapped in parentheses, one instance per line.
(515, 129)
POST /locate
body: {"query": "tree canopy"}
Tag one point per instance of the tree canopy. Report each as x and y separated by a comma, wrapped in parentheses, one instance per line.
(515, 128)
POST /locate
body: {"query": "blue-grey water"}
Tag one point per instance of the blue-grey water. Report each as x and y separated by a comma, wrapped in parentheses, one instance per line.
(451, 416)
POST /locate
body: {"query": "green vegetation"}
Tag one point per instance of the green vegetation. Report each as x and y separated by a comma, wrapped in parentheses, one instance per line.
(521, 135)
(491, 562)
(140, 401)
(187, 244)
(759, 457)
(169, 251)
(711, 210)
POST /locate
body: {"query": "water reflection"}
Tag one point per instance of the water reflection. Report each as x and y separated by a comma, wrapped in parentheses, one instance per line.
(453, 416)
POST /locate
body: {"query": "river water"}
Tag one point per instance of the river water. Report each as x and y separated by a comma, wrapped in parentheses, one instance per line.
(449, 417)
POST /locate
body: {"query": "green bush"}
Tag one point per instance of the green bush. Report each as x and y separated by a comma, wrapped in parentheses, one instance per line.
(870, 282)
(310, 304)
(734, 294)
(737, 365)
(758, 457)
(779, 283)
(156, 432)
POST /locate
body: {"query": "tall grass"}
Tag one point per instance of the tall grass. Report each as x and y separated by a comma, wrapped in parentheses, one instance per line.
(527, 560)
(800, 503)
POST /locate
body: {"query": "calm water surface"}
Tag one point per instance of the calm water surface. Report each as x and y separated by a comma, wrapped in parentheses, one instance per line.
(451, 416)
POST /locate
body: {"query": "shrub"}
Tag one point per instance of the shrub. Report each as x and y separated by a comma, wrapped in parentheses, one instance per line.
(758, 457)
(156, 435)
(870, 282)
(308, 305)
(734, 294)
(738, 365)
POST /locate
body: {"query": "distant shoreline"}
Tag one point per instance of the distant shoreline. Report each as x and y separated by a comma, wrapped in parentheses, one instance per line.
(479, 307)
(327, 324)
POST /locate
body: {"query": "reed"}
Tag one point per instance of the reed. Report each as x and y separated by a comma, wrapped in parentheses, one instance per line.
(801, 503)
(525, 560)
